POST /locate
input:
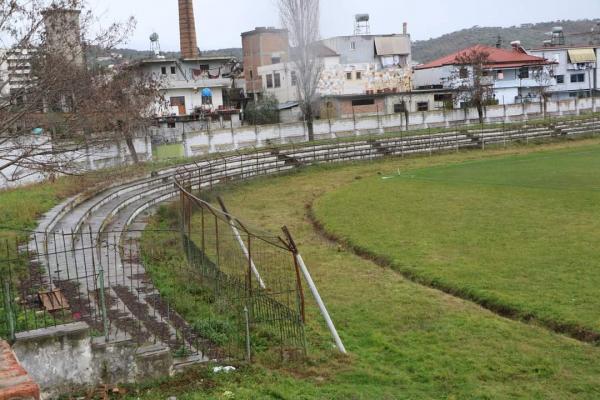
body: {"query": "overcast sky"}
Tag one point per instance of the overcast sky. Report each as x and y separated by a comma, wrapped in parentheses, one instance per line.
(220, 22)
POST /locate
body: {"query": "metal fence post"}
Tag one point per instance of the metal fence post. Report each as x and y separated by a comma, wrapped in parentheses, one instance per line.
(248, 345)
(10, 318)
(103, 304)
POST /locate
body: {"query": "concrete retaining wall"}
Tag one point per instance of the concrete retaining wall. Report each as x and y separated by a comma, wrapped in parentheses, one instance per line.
(66, 358)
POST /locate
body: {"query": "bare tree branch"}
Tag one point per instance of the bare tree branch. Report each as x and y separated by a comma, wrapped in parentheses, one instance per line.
(302, 20)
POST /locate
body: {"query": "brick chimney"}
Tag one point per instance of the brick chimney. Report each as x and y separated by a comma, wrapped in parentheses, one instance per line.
(187, 29)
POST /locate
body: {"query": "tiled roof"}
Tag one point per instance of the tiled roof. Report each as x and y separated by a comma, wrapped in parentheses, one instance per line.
(497, 58)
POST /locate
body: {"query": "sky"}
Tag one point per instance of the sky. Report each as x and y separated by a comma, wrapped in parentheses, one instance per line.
(219, 23)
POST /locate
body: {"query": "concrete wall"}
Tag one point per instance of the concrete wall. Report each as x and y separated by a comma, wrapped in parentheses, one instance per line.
(220, 140)
(107, 155)
(66, 358)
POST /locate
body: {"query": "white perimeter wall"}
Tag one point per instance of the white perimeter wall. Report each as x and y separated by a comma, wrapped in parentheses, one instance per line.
(221, 140)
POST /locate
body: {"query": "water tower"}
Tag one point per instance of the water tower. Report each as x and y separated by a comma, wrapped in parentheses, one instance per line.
(362, 24)
(155, 44)
(558, 36)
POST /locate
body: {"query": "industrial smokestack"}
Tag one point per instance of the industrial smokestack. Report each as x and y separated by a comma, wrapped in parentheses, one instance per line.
(187, 29)
(405, 28)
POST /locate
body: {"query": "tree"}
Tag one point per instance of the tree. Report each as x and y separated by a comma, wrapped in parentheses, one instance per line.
(471, 79)
(301, 19)
(45, 114)
(263, 111)
(544, 78)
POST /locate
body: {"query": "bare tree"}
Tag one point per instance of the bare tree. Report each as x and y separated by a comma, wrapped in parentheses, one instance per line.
(119, 106)
(544, 78)
(472, 79)
(44, 117)
(301, 18)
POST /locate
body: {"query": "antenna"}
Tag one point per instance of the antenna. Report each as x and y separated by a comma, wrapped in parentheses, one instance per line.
(362, 24)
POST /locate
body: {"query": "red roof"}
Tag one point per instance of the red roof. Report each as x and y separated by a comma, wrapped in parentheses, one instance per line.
(498, 58)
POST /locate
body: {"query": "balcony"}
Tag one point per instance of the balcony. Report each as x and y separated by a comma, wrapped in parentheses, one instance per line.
(195, 83)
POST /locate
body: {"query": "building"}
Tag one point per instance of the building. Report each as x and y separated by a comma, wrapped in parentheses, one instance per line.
(359, 72)
(194, 86)
(262, 47)
(513, 75)
(18, 73)
(576, 70)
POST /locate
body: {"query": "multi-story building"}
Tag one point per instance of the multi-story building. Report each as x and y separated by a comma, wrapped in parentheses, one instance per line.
(193, 86)
(576, 70)
(262, 47)
(356, 70)
(512, 75)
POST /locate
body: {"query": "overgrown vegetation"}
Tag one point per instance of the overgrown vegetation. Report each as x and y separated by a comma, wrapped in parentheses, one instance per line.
(262, 112)
(405, 340)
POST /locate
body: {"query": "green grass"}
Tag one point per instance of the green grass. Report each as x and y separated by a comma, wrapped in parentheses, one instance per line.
(406, 341)
(168, 152)
(516, 233)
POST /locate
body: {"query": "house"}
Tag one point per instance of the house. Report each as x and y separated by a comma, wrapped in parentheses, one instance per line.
(512, 75)
(576, 70)
(193, 86)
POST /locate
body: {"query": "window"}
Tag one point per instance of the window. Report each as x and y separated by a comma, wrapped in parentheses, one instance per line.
(358, 75)
(251, 75)
(352, 45)
(173, 70)
(294, 78)
(277, 78)
(171, 123)
(524, 73)
(204, 68)
(349, 76)
(163, 70)
(464, 73)
(206, 100)
(363, 102)
(423, 106)
(269, 81)
(400, 107)
(275, 60)
(442, 97)
(577, 78)
(560, 79)
(500, 75)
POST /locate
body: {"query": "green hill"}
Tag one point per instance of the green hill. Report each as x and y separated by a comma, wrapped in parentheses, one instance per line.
(530, 35)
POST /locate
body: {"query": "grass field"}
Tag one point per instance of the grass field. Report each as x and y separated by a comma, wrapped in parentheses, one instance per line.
(518, 234)
(406, 341)
(168, 152)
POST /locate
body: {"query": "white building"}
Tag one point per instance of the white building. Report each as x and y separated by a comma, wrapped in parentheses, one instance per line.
(356, 65)
(576, 70)
(513, 75)
(193, 86)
